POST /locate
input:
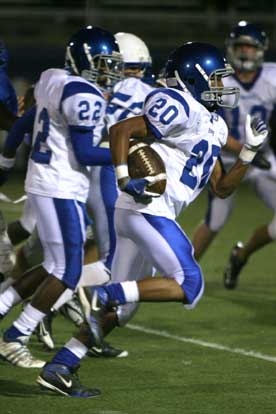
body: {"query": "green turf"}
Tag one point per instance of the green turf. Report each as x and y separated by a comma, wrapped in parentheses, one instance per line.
(166, 374)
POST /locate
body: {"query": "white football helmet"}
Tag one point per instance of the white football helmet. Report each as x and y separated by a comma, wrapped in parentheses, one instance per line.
(134, 51)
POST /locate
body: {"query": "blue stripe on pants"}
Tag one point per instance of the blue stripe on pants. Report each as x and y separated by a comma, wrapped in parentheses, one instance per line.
(71, 229)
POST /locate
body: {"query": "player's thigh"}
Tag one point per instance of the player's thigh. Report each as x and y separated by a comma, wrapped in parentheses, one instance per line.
(61, 229)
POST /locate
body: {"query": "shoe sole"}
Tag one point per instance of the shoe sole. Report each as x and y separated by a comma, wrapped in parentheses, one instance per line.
(46, 386)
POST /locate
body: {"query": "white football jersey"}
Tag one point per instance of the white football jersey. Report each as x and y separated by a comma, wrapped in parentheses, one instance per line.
(257, 98)
(127, 100)
(62, 101)
(189, 139)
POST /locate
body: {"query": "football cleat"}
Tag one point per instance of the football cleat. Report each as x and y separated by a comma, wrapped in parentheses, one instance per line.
(7, 253)
(106, 351)
(63, 380)
(234, 267)
(44, 331)
(18, 354)
(72, 310)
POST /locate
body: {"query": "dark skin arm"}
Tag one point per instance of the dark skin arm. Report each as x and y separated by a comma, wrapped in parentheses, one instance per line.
(120, 134)
(223, 184)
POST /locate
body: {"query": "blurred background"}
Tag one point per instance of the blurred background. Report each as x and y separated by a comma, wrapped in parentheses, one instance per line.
(36, 31)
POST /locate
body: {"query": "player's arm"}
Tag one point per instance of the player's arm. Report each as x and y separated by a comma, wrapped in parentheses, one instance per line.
(84, 151)
(119, 136)
(224, 184)
(15, 137)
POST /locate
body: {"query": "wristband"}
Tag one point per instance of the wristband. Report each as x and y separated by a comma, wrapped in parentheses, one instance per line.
(121, 171)
(6, 163)
(246, 155)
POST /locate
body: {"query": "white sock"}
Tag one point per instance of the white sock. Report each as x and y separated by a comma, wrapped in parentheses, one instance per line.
(8, 299)
(64, 297)
(28, 320)
(76, 347)
(131, 291)
(4, 285)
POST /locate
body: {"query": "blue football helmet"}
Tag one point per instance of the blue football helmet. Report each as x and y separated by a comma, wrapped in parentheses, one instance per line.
(246, 34)
(198, 68)
(93, 53)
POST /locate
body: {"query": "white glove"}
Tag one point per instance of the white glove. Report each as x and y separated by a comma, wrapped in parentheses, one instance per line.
(255, 134)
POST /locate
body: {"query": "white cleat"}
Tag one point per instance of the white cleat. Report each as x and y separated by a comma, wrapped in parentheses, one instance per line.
(18, 354)
(7, 253)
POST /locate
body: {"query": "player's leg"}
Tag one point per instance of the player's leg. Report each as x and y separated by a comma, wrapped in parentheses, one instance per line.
(162, 243)
(217, 214)
(265, 188)
(61, 228)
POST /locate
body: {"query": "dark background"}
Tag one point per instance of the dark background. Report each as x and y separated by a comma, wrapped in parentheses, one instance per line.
(37, 31)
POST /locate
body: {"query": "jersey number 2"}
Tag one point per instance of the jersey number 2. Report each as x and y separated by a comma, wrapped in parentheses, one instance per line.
(41, 153)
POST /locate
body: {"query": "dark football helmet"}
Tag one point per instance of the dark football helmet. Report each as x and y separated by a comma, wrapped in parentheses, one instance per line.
(198, 68)
(93, 53)
(246, 34)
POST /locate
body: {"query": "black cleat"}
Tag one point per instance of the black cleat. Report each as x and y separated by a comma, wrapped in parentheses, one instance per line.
(106, 351)
(62, 380)
(234, 267)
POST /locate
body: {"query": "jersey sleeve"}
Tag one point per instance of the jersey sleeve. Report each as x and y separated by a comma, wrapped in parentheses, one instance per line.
(166, 113)
(82, 104)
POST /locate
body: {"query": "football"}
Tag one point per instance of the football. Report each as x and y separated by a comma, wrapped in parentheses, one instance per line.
(144, 161)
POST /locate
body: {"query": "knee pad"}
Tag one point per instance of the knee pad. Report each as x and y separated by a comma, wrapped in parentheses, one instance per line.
(126, 312)
(272, 228)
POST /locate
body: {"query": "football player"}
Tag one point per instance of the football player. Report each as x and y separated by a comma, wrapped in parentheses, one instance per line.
(69, 111)
(246, 46)
(188, 136)
(8, 115)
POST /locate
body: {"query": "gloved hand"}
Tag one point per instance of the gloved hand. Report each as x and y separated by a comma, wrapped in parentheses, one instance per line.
(260, 161)
(255, 134)
(136, 187)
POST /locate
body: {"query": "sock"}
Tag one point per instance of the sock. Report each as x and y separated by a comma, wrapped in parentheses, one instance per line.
(12, 334)
(8, 299)
(71, 354)
(64, 297)
(131, 291)
(28, 320)
(122, 293)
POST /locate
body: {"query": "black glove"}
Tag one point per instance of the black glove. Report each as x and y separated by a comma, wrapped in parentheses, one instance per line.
(260, 161)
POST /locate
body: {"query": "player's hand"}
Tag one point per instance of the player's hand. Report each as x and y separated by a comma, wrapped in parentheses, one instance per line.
(136, 187)
(260, 161)
(255, 133)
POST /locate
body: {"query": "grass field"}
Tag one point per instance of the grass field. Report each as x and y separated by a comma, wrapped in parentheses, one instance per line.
(219, 358)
